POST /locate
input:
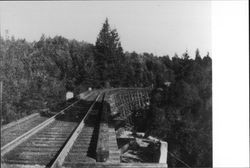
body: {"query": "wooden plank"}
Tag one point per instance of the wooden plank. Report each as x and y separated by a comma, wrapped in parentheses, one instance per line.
(114, 152)
(64, 152)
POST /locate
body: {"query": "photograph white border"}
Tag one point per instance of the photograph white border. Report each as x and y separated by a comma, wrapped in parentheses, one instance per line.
(230, 55)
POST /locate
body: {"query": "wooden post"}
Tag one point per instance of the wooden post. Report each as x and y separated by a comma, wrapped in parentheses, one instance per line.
(163, 152)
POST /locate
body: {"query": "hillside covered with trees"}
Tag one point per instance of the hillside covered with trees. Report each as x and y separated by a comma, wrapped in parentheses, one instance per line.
(36, 75)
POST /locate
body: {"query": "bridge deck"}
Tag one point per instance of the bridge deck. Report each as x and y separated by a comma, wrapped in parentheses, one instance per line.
(46, 147)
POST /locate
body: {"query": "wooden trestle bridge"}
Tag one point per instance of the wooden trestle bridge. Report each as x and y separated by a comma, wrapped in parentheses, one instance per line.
(80, 135)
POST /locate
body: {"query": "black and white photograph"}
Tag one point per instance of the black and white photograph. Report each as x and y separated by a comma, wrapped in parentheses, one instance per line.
(116, 84)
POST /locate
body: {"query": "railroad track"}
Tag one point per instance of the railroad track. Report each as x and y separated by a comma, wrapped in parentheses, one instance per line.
(56, 140)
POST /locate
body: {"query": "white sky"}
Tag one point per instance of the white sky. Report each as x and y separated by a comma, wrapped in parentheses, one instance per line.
(161, 27)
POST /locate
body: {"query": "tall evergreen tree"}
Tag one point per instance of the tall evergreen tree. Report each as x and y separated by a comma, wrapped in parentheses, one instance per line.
(198, 56)
(109, 55)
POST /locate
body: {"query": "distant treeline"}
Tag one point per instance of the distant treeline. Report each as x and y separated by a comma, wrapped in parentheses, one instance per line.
(36, 75)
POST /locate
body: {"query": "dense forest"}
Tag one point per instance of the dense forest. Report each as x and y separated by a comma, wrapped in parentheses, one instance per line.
(36, 75)
(181, 114)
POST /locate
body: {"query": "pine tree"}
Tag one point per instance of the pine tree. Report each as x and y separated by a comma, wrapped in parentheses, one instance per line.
(109, 55)
(198, 56)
